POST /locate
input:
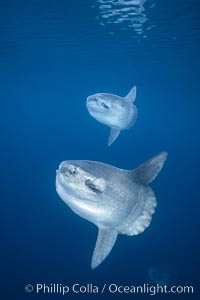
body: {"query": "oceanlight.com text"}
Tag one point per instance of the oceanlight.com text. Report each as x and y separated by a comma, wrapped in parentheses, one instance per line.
(112, 288)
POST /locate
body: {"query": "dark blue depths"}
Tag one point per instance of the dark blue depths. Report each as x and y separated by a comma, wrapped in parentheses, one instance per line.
(53, 54)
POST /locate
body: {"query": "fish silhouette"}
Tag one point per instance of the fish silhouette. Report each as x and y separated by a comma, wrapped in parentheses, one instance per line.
(119, 113)
(117, 201)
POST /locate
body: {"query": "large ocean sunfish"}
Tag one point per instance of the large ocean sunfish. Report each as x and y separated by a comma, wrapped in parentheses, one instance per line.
(119, 113)
(117, 201)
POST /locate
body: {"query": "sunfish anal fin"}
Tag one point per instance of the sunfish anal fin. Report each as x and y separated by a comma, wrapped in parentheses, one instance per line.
(104, 244)
(114, 133)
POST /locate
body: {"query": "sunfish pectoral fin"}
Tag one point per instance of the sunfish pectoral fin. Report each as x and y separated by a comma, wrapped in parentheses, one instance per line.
(131, 95)
(114, 133)
(98, 185)
(148, 171)
(104, 244)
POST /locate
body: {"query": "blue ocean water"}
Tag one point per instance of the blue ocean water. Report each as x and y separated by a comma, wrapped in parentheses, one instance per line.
(53, 54)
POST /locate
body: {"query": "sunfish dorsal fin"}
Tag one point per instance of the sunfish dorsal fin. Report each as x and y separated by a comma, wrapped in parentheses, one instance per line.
(104, 244)
(131, 95)
(114, 133)
(148, 171)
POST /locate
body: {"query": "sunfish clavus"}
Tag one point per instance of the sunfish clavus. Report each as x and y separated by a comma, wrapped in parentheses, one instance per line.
(119, 113)
(117, 201)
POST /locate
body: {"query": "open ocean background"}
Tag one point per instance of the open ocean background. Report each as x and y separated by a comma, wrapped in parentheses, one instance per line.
(53, 54)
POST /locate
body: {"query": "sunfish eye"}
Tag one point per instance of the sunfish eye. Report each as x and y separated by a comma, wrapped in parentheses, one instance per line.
(95, 99)
(72, 170)
(105, 105)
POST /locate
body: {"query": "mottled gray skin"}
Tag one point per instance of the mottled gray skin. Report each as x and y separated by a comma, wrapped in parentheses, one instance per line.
(119, 113)
(115, 200)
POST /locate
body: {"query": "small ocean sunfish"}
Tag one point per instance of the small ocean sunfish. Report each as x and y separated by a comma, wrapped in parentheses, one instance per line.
(117, 201)
(119, 113)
